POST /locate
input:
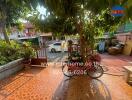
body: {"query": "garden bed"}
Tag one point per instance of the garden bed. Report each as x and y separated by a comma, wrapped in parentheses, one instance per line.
(10, 68)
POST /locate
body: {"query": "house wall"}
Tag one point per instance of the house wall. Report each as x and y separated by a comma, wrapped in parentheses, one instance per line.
(127, 39)
(15, 33)
(128, 48)
(123, 37)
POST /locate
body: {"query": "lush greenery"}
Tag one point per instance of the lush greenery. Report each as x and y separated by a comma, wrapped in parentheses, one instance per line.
(64, 15)
(13, 51)
(12, 10)
(88, 18)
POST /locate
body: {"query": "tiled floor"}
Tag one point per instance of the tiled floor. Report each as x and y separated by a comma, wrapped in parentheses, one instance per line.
(50, 84)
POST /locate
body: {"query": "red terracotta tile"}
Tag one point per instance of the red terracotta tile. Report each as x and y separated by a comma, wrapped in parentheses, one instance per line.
(50, 84)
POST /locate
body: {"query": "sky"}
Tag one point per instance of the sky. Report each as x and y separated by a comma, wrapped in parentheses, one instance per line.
(41, 10)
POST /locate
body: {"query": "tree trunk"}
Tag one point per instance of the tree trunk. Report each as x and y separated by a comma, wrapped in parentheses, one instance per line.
(5, 33)
(3, 23)
(82, 41)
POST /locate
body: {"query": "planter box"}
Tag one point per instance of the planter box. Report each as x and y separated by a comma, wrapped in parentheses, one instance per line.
(10, 68)
(39, 62)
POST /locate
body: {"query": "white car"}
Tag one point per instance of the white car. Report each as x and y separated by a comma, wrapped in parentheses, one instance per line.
(58, 46)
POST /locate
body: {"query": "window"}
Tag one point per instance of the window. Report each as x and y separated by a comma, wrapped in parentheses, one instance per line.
(57, 44)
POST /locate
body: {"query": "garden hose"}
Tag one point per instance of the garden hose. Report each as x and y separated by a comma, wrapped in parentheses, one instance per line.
(106, 72)
(114, 74)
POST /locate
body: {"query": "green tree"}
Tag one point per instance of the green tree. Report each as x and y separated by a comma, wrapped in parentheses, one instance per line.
(89, 18)
(12, 10)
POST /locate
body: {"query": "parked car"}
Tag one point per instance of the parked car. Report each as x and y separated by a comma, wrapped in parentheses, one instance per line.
(58, 46)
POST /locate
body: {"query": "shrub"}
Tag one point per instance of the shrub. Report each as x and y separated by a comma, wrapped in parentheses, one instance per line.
(13, 51)
(27, 53)
(3, 60)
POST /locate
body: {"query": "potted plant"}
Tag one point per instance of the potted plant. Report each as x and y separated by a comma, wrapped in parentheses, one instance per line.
(27, 54)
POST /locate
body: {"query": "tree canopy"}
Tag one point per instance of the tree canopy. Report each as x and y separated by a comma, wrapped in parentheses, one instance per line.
(12, 10)
(66, 16)
(69, 12)
(88, 18)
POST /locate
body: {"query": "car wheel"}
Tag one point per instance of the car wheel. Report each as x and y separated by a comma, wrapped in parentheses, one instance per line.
(53, 50)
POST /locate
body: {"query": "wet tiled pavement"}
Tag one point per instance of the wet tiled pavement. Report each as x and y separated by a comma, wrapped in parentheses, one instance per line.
(50, 84)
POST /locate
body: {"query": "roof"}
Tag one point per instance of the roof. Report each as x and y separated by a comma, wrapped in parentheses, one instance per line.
(28, 25)
(128, 27)
(27, 37)
(124, 34)
(46, 34)
(125, 28)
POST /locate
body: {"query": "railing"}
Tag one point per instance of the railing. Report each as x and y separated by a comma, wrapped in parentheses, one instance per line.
(41, 53)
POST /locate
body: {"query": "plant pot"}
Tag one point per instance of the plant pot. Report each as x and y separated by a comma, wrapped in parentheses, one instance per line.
(27, 67)
(26, 61)
(40, 62)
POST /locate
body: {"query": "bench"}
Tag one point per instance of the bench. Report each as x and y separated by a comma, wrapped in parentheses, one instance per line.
(128, 74)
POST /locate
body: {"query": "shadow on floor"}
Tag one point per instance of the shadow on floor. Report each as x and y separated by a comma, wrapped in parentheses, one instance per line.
(119, 57)
(14, 82)
(81, 88)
